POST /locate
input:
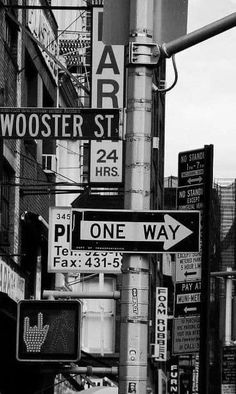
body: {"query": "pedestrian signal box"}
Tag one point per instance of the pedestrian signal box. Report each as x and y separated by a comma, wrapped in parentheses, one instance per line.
(48, 331)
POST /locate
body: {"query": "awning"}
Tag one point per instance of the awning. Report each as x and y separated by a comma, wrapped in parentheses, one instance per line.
(8, 306)
(102, 390)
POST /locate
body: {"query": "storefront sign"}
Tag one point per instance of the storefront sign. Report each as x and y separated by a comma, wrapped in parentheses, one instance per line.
(107, 68)
(160, 344)
(11, 282)
(62, 259)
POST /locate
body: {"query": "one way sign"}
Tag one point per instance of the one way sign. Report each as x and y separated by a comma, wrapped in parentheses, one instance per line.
(135, 231)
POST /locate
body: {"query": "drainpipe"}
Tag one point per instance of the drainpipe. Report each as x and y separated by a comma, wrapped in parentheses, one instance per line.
(228, 308)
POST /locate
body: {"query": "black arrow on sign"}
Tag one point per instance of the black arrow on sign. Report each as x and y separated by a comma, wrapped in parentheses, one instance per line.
(190, 273)
(190, 309)
(192, 180)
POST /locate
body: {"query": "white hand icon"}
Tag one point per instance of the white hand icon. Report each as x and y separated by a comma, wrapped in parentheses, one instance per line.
(35, 336)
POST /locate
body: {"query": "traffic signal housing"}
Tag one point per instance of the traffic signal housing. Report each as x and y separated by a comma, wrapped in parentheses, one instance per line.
(48, 331)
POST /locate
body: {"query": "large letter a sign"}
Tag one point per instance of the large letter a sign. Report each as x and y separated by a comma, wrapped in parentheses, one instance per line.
(107, 68)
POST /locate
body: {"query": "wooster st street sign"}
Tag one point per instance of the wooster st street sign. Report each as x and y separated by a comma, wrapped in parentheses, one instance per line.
(58, 123)
(135, 232)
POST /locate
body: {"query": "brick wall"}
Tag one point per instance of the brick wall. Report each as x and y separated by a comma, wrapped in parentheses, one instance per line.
(32, 176)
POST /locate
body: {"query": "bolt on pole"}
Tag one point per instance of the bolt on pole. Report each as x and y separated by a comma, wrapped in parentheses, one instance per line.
(135, 269)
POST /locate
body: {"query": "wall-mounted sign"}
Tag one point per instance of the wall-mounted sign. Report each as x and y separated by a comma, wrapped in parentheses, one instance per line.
(135, 231)
(107, 68)
(186, 335)
(11, 282)
(188, 267)
(106, 162)
(160, 344)
(58, 123)
(173, 368)
(62, 259)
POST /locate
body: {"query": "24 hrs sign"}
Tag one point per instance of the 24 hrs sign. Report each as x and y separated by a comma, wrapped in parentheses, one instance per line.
(106, 160)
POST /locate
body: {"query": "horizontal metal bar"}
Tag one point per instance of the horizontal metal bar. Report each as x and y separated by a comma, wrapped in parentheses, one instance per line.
(67, 294)
(83, 370)
(223, 273)
(199, 35)
(46, 7)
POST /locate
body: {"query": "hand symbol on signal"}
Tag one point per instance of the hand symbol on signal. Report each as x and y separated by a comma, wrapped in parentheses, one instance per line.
(35, 336)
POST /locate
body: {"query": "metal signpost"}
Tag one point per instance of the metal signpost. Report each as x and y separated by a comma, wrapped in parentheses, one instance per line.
(135, 231)
(192, 271)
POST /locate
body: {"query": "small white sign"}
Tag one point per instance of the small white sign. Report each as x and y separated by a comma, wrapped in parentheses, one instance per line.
(106, 158)
(62, 259)
(188, 267)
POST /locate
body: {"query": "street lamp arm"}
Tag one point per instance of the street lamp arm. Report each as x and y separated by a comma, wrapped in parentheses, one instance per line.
(197, 36)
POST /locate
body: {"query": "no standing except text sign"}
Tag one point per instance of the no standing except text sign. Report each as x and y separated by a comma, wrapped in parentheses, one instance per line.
(134, 231)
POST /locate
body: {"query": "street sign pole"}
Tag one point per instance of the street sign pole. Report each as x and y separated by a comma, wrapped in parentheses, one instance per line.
(205, 287)
(135, 271)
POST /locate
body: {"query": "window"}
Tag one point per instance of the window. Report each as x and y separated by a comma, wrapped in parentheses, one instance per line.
(6, 197)
(10, 37)
(99, 317)
(6, 201)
